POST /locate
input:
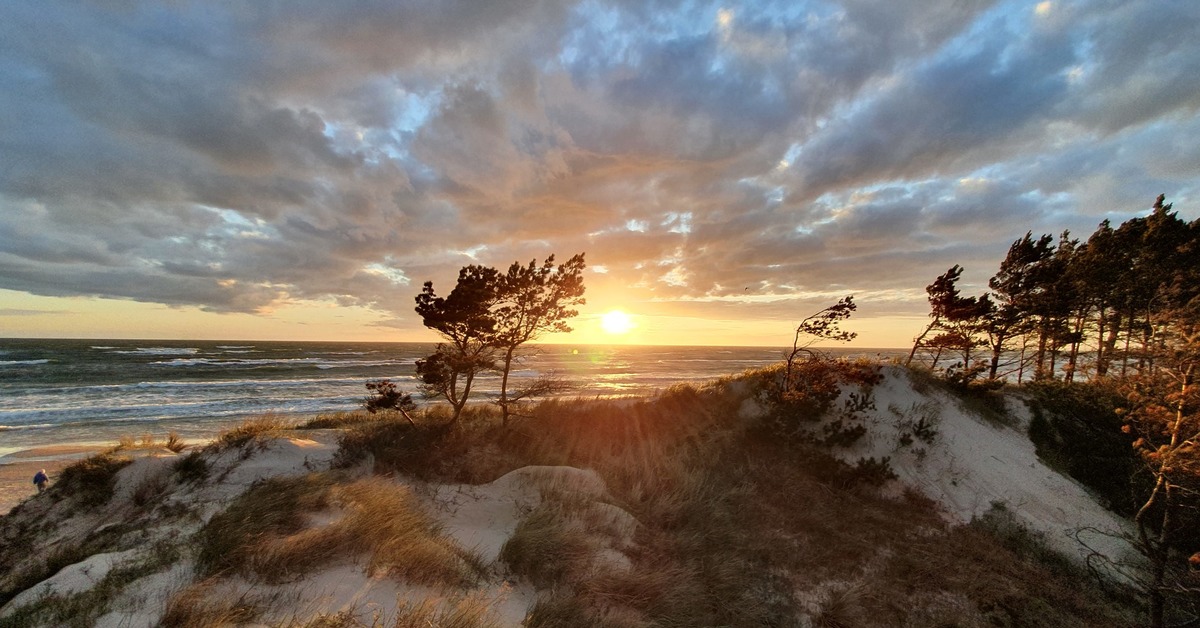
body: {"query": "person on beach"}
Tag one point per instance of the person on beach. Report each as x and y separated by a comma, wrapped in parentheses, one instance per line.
(40, 478)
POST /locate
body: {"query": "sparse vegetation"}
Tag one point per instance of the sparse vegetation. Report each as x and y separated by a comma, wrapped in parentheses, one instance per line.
(82, 609)
(267, 533)
(191, 468)
(254, 430)
(339, 420)
(91, 480)
(710, 540)
(129, 443)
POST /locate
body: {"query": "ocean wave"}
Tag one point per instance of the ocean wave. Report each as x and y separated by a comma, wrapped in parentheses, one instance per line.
(34, 426)
(22, 362)
(321, 363)
(235, 346)
(160, 351)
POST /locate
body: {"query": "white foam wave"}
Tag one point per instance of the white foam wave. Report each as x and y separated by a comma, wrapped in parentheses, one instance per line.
(160, 351)
(320, 363)
(22, 362)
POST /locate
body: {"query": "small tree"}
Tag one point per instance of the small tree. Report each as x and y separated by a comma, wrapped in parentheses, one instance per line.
(1164, 415)
(531, 301)
(956, 319)
(824, 325)
(385, 395)
(464, 319)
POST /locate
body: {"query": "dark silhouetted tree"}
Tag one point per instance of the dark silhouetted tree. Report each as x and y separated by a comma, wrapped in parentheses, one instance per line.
(385, 395)
(531, 301)
(824, 325)
(1016, 290)
(464, 320)
(955, 319)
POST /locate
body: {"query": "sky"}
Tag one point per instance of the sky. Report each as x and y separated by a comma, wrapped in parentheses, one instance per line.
(296, 170)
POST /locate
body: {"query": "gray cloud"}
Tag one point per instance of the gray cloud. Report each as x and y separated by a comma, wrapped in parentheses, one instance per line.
(239, 156)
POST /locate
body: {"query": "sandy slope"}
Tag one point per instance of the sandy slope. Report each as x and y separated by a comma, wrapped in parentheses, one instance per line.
(972, 464)
(968, 465)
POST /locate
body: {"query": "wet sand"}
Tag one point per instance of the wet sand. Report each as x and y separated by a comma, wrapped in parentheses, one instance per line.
(17, 470)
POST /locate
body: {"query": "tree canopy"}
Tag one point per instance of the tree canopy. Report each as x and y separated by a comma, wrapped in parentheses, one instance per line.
(488, 317)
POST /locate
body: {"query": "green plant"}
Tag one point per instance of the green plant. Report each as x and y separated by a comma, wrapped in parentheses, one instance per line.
(384, 395)
(918, 422)
(191, 468)
(1076, 428)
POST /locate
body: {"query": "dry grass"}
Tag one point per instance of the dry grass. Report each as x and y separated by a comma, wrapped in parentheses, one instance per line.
(342, 420)
(734, 529)
(547, 549)
(195, 606)
(268, 533)
(129, 443)
(254, 430)
(91, 481)
(472, 611)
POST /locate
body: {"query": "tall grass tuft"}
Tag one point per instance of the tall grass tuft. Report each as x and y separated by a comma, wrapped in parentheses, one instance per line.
(255, 430)
(91, 481)
(195, 606)
(267, 533)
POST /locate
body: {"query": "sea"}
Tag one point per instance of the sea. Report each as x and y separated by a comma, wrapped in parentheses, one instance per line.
(96, 391)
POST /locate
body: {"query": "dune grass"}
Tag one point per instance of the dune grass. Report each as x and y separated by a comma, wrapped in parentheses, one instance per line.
(195, 606)
(258, 429)
(731, 526)
(128, 442)
(82, 609)
(471, 611)
(269, 533)
(736, 526)
(91, 481)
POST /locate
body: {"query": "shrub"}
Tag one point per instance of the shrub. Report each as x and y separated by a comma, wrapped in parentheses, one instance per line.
(191, 468)
(544, 548)
(91, 480)
(384, 395)
(1076, 428)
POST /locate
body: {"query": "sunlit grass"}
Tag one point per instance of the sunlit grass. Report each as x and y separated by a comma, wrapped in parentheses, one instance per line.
(269, 533)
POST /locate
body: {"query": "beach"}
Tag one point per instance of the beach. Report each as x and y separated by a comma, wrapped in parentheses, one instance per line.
(17, 470)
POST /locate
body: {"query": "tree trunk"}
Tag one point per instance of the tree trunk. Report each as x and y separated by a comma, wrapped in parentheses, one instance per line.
(1108, 345)
(917, 342)
(508, 358)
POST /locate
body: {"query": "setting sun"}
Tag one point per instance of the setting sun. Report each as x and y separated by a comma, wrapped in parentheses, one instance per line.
(616, 322)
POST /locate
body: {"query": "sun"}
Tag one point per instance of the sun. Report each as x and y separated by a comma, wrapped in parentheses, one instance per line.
(616, 322)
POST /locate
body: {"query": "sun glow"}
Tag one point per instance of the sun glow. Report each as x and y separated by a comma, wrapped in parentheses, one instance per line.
(616, 322)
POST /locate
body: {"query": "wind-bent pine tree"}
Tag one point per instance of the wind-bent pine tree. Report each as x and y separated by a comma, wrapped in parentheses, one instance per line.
(955, 317)
(531, 301)
(464, 320)
(824, 325)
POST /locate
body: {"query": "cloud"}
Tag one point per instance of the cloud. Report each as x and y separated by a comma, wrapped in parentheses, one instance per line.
(242, 157)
